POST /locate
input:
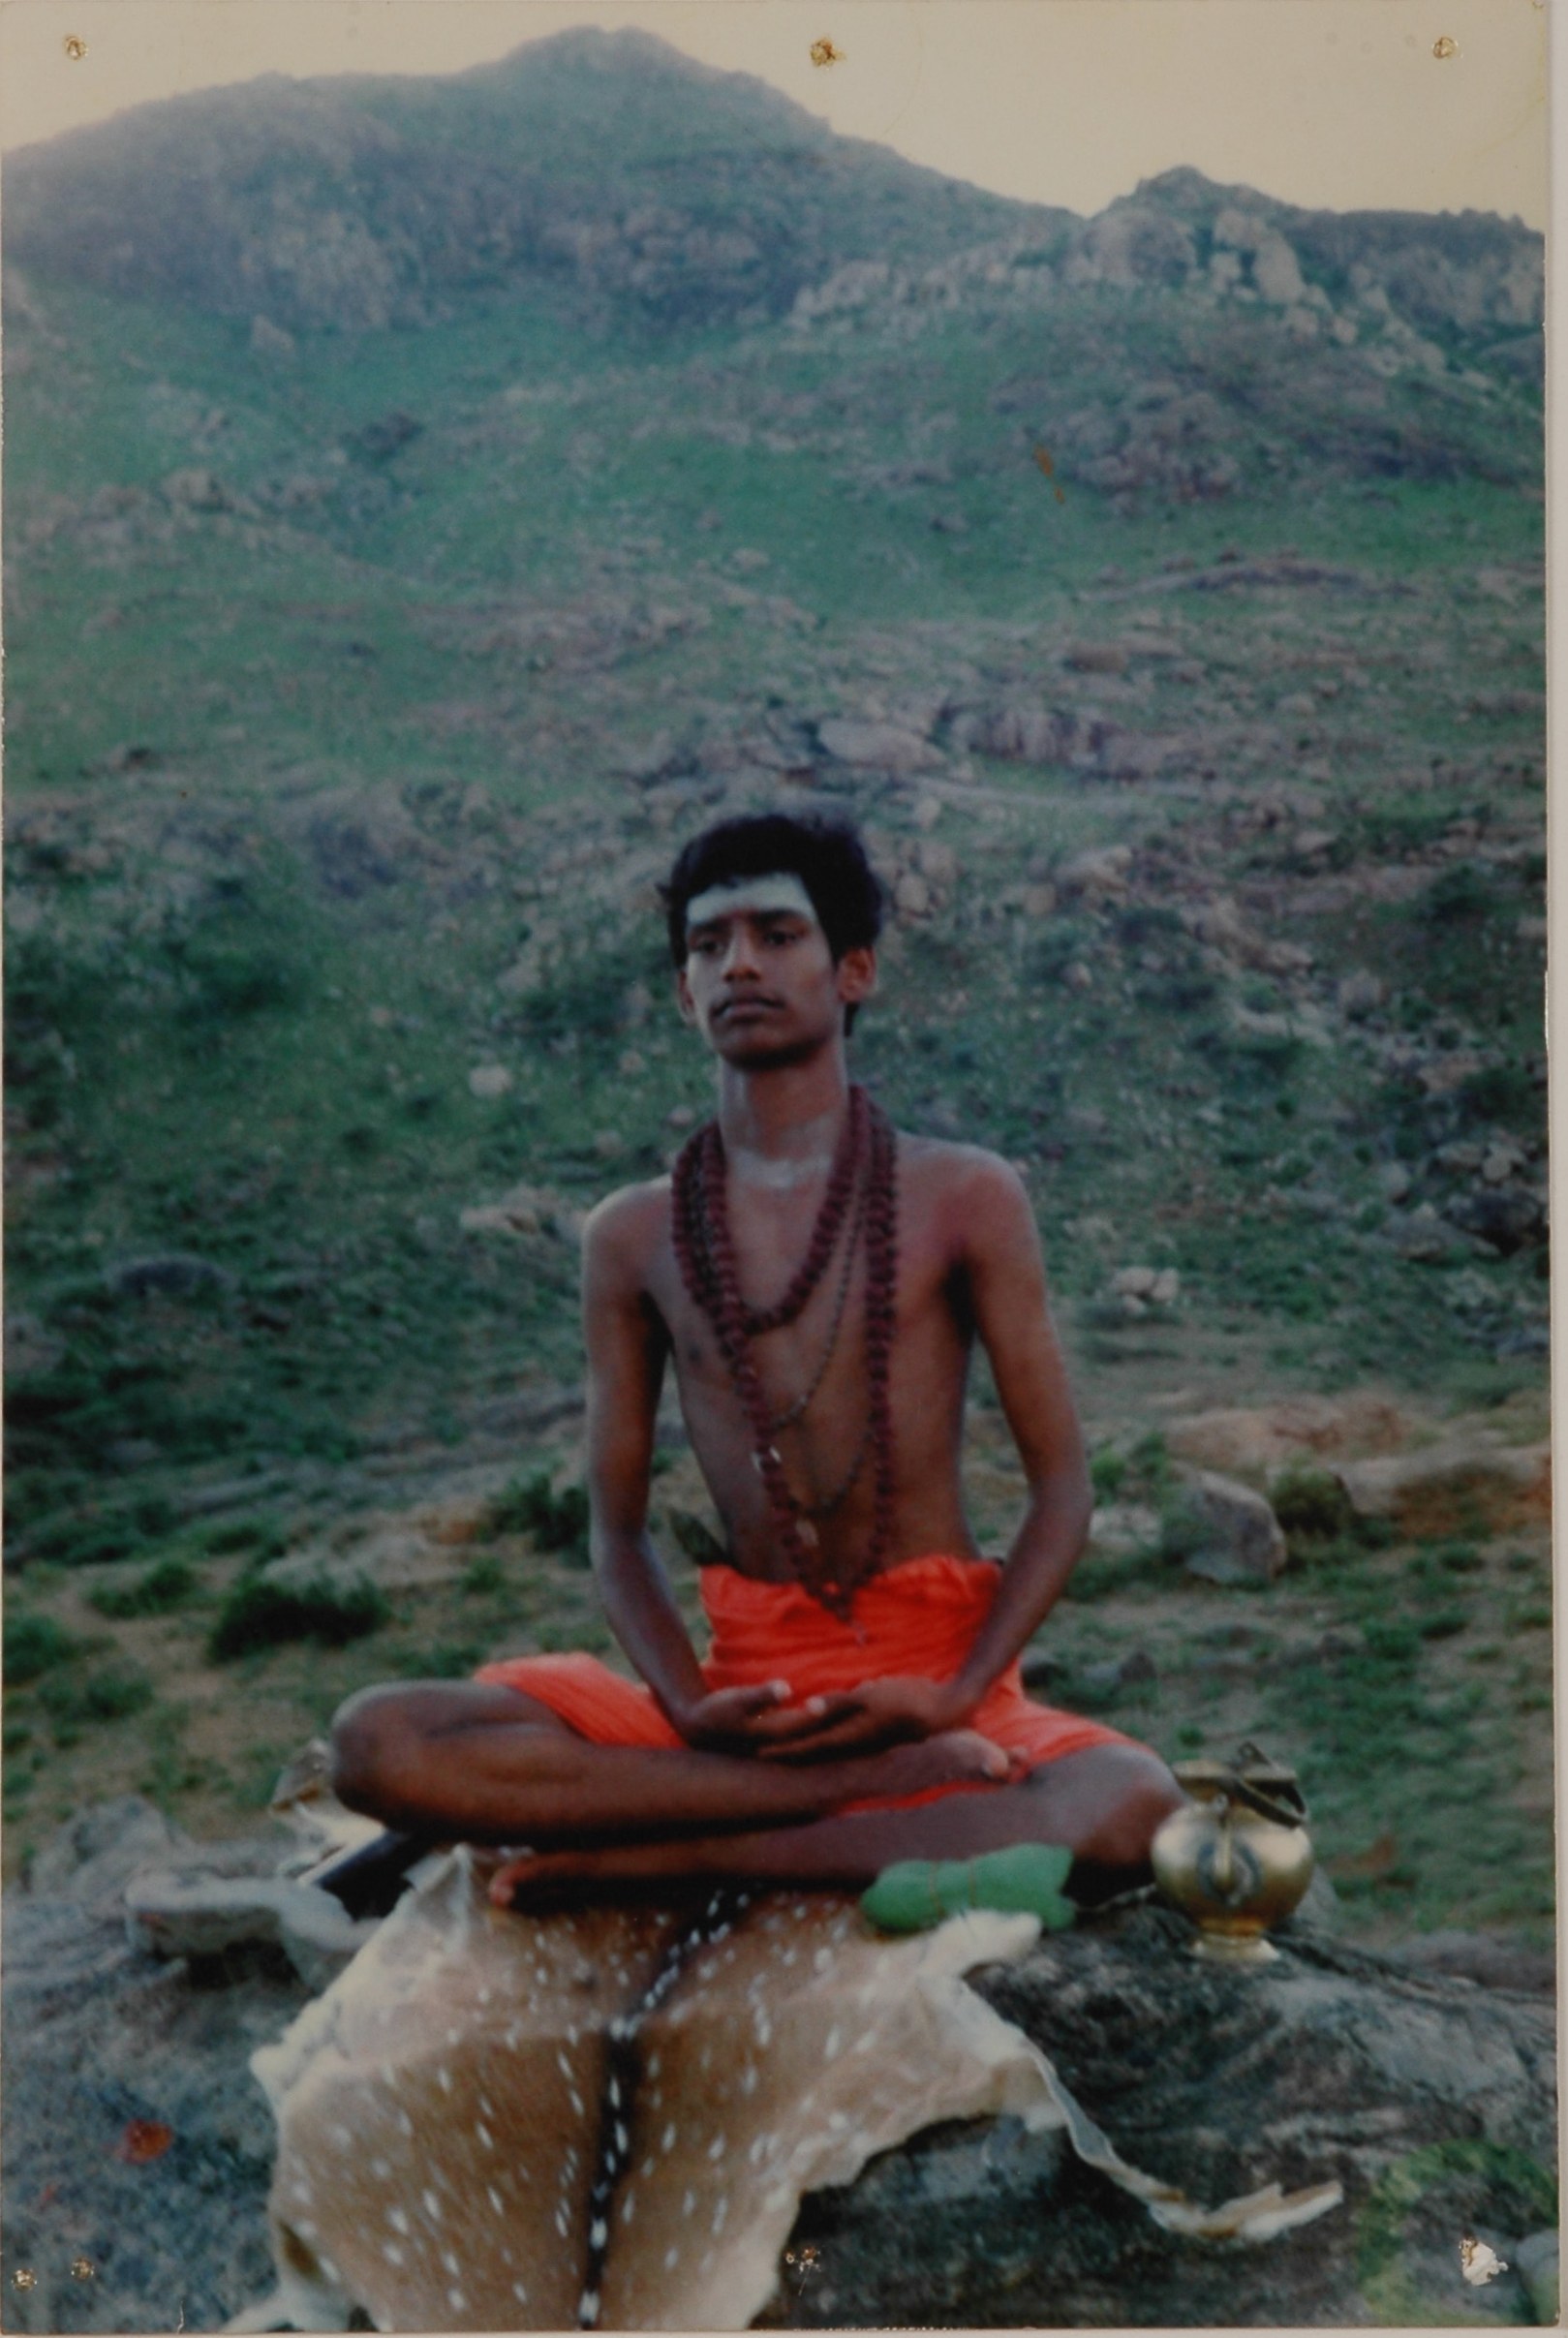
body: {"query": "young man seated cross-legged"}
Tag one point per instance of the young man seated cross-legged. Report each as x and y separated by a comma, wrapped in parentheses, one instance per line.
(817, 1280)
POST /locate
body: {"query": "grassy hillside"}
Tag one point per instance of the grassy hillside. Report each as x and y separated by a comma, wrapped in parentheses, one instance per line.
(365, 667)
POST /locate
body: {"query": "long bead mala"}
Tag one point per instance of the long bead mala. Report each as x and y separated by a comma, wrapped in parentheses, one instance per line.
(705, 1252)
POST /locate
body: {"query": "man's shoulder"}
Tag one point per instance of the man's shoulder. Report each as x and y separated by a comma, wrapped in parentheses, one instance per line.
(965, 1172)
(628, 1225)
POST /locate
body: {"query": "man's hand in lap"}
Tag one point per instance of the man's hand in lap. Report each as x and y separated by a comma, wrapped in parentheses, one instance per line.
(876, 1714)
(755, 1721)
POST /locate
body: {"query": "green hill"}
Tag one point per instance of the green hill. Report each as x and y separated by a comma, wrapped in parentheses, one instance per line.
(425, 502)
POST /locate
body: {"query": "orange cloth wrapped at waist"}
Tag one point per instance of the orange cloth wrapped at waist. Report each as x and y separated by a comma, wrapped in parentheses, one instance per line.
(918, 1618)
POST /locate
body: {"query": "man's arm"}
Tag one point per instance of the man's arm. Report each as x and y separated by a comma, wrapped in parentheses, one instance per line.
(626, 1346)
(1007, 1279)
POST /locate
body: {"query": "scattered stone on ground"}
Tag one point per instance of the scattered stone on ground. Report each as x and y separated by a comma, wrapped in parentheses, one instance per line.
(1228, 1532)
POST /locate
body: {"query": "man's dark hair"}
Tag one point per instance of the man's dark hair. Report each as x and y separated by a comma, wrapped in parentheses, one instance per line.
(825, 853)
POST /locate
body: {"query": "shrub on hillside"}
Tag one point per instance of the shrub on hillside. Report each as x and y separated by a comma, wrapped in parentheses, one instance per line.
(259, 1613)
(34, 1644)
(167, 1584)
(1312, 1506)
(109, 1695)
(557, 1521)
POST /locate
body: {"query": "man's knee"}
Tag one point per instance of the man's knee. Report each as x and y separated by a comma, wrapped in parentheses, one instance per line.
(1108, 1803)
(1140, 1801)
(378, 1741)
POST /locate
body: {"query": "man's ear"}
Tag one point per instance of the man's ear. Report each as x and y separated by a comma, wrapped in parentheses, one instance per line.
(857, 975)
(683, 998)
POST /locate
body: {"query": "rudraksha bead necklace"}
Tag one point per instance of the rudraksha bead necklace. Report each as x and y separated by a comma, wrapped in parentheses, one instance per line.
(706, 1255)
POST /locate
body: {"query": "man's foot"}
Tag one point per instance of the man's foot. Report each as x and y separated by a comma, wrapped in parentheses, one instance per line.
(957, 1756)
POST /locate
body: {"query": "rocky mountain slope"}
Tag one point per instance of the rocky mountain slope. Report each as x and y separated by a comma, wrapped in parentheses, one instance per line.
(384, 603)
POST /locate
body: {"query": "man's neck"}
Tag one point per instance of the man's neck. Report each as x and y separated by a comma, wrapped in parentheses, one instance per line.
(781, 1126)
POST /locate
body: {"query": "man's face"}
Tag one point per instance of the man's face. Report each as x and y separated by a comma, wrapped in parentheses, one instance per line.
(760, 981)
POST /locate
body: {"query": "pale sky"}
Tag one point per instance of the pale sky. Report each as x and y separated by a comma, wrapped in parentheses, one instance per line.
(1338, 103)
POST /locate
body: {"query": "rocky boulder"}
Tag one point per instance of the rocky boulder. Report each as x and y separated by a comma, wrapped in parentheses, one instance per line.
(1254, 1441)
(1432, 2101)
(1225, 1532)
(138, 2144)
(1463, 1484)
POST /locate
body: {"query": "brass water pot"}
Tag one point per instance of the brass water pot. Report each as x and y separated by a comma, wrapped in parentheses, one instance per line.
(1238, 1859)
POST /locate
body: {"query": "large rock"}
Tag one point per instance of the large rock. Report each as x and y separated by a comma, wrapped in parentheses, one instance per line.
(1255, 1441)
(1432, 2101)
(1429, 2100)
(877, 746)
(1228, 1532)
(1464, 1485)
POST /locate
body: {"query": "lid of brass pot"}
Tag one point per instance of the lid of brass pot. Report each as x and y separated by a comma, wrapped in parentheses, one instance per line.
(1269, 1788)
